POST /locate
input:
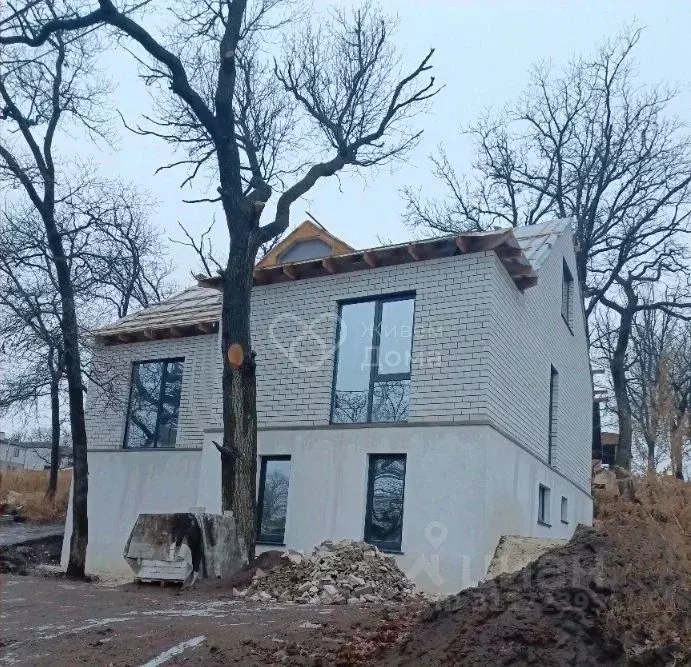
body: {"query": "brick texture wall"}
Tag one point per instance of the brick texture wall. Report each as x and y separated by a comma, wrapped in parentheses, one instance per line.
(481, 351)
(529, 336)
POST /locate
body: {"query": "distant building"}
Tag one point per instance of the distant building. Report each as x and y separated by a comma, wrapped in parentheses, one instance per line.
(609, 447)
(30, 455)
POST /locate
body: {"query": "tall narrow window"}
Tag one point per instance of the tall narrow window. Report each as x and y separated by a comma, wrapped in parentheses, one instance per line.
(372, 380)
(385, 491)
(567, 289)
(543, 502)
(564, 509)
(272, 505)
(553, 399)
(152, 416)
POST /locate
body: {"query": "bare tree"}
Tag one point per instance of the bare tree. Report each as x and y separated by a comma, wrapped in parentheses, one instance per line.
(44, 91)
(115, 262)
(660, 386)
(339, 86)
(587, 143)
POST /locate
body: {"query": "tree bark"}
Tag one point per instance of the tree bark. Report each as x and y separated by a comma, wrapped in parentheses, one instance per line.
(73, 373)
(54, 439)
(652, 467)
(239, 459)
(677, 448)
(619, 382)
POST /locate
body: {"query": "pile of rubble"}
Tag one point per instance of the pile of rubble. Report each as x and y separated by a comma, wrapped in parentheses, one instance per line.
(344, 572)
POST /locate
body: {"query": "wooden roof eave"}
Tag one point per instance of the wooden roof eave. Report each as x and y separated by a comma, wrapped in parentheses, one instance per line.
(135, 335)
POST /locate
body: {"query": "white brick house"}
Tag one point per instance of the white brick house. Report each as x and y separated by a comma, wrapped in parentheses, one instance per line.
(429, 397)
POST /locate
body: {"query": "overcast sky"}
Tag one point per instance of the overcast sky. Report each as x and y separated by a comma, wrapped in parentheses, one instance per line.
(483, 54)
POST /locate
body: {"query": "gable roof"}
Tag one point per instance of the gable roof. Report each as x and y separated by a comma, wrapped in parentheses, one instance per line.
(305, 232)
(196, 310)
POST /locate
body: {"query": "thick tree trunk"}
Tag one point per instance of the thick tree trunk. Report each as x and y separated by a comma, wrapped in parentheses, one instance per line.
(620, 385)
(54, 439)
(75, 392)
(239, 459)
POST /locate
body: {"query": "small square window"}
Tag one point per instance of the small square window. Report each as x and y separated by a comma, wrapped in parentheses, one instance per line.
(564, 509)
(272, 504)
(543, 505)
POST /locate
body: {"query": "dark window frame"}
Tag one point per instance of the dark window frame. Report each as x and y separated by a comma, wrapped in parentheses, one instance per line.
(544, 498)
(553, 413)
(568, 291)
(383, 546)
(375, 376)
(265, 539)
(564, 509)
(159, 407)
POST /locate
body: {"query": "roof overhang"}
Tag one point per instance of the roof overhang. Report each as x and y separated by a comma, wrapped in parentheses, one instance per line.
(502, 242)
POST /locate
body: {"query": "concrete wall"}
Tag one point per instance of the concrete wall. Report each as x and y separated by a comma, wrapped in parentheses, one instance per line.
(465, 486)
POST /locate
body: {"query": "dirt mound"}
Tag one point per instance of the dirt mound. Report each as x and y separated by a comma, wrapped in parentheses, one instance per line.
(22, 558)
(616, 594)
(335, 573)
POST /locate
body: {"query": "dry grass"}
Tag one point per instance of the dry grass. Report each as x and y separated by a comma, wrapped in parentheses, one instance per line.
(655, 532)
(27, 489)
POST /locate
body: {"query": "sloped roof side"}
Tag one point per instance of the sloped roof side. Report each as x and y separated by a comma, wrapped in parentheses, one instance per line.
(537, 240)
(197, 310)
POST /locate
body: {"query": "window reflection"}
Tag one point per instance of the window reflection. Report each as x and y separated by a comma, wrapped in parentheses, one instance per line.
(384, 520)
(273, 499)
(154, 403)
(378, 331)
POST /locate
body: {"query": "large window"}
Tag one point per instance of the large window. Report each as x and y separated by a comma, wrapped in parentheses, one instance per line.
(372, 381)
(152, 417)
(272, 505)
(553, 412)
(385, 491)
(567, 290)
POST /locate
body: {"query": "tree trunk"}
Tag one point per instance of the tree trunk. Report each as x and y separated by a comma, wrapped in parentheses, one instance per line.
(239, 460)
(54, 439)
(73, 373)
(652, 466)
(677, 448)
(619, 382)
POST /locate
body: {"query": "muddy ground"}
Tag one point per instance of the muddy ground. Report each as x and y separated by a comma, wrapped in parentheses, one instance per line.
(51, 621)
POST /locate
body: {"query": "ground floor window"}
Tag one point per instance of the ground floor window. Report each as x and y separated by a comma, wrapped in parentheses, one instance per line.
(385, 491)
(543, 505)
(564, 509)
(272, 504)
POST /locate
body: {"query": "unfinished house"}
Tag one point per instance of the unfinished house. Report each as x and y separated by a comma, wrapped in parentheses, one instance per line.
(427, 397)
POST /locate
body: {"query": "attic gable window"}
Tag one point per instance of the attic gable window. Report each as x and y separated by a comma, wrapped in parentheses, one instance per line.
(373, 361)
(567, 295)
(304, 250)
(152, 414)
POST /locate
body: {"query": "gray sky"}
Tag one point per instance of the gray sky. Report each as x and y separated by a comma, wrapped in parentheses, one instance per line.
(483, 54)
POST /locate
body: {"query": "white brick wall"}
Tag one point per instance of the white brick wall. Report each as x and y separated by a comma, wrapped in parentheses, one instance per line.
(481, 351)
(528, 336)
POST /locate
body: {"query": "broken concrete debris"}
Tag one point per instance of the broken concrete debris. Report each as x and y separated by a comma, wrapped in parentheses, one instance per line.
(342, 572)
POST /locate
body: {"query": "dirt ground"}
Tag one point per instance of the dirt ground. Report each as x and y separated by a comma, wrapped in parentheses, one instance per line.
(616, 594)
(51, 621)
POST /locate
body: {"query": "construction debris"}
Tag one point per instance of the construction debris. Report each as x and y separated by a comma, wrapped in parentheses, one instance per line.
(343, 572)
